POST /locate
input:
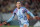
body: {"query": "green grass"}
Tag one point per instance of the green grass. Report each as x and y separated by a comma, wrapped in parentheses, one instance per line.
(9, 26)
(12, 26)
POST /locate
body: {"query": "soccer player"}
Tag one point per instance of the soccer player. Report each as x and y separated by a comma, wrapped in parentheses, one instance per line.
(20, 12)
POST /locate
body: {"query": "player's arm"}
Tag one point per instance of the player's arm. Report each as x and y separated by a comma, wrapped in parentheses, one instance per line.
(14, 13)
(29, 13)
(11, 18)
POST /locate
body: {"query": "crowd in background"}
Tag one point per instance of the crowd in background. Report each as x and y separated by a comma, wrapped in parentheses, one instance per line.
(7, 6)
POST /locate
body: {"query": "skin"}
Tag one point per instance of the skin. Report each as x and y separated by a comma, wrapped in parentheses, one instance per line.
(18, 5)
(25, 25)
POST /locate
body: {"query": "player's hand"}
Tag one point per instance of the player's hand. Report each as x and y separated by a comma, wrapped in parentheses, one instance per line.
(4, 22)
(36, 17)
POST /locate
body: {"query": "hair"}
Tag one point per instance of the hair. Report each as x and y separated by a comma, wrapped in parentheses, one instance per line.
(18, 1)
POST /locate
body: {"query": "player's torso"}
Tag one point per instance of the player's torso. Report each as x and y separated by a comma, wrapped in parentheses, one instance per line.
(21, 14)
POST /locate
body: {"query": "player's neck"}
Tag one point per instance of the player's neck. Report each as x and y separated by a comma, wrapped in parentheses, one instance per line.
(18, 7)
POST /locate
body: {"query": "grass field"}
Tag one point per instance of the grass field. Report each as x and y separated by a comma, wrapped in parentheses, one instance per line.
(16, 26)
(12, 26)
(9, 26)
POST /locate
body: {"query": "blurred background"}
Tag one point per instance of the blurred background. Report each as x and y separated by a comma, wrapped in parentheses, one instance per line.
(7, 7)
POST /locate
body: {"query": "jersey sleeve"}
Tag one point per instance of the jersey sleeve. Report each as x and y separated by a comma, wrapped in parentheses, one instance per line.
(11, 17)
(29, 12)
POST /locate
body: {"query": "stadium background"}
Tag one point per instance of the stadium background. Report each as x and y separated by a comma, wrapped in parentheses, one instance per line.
(7, 7)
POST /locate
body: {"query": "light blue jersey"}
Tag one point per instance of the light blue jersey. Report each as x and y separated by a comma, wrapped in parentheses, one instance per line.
(21, 14)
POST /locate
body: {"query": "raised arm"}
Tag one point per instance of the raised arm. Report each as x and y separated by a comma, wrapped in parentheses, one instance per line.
(29, 12)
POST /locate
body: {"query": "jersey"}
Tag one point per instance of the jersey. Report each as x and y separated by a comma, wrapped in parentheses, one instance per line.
(20, 14)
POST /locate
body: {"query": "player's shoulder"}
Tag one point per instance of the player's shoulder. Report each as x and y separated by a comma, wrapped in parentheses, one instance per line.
(15, 10)
(24, 8)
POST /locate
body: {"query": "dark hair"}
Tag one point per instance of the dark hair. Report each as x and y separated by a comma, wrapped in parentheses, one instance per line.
(18, 1)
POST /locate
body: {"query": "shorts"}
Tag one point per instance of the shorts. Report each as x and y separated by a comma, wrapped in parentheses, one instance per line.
(23, 22)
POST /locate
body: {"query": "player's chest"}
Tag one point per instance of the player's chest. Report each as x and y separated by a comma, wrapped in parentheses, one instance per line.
(20, 12)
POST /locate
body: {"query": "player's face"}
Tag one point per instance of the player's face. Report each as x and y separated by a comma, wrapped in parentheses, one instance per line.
(18, 4)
